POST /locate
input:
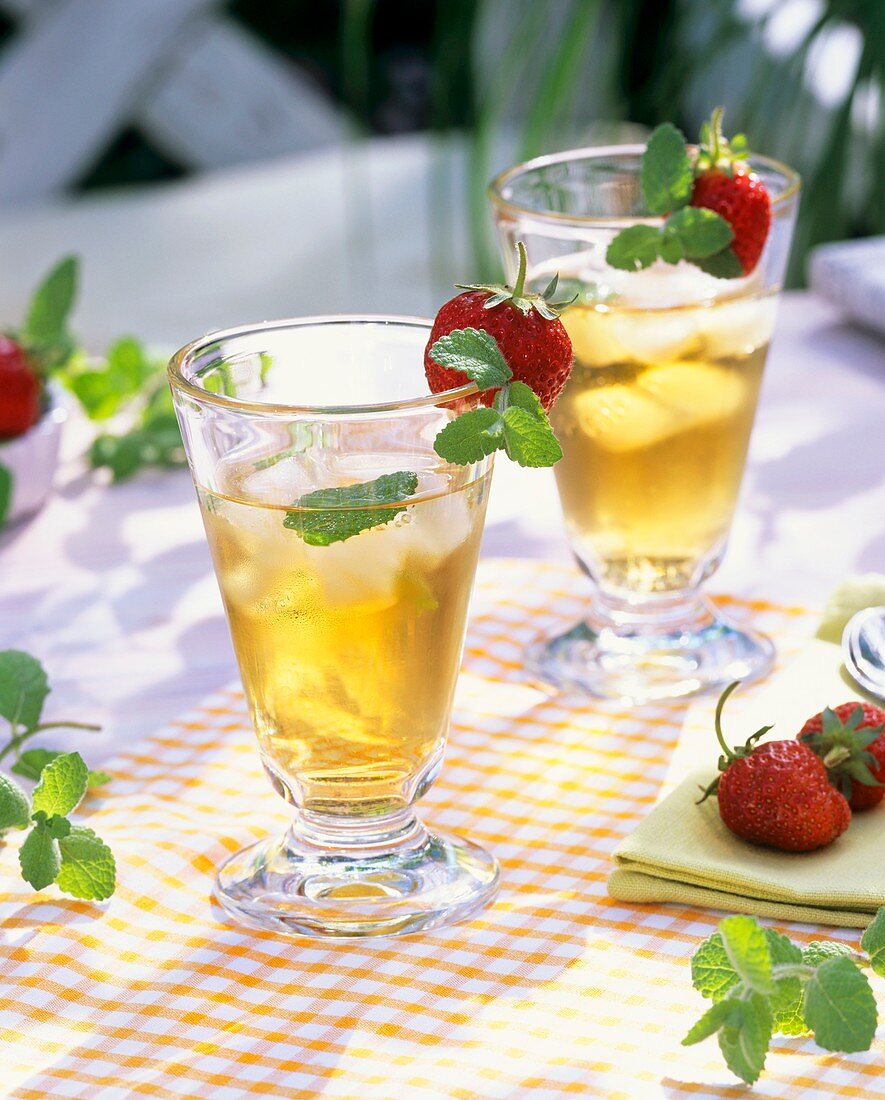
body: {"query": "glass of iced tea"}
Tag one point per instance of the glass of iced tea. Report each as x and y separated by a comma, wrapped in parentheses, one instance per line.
(345, 551)
(654, 423)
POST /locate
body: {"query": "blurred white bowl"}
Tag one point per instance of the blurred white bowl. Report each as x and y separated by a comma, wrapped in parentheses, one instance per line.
(32, 459)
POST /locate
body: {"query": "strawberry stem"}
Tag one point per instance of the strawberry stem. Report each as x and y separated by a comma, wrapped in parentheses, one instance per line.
(519, 285)
(716, 136)
(720, 737)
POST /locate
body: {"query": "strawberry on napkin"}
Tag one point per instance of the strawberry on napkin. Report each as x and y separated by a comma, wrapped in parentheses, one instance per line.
(684, 852)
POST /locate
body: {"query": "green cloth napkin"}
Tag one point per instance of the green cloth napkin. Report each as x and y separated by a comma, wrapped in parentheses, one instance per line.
(683, 853)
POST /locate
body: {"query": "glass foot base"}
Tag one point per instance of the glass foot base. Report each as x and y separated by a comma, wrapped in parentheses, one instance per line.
(644, 660)
(294, 886)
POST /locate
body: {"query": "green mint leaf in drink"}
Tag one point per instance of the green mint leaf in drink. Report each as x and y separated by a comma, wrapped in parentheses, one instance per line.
(325, 516)
(23, 688)
(15, 808)
(6, 482)
(745, 1037)
(700, 232)
(470, 437)
(88, 869)
(476, 354)
(47, 317)
(746, 946)
(840, 1007)
(634, 248)
(39, 856)
(62, 785)
(667, 173)
(712, 974)
(873, 942)
(716, 1016)
(529, 439)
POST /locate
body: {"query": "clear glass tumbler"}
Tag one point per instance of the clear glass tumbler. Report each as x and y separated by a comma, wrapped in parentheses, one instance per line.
(347, 608)
(654, 423)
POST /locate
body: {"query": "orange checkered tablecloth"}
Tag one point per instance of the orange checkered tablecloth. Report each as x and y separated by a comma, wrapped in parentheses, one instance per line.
(557, 990)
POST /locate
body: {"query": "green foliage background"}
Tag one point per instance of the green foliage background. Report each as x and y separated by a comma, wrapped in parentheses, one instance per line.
(557, 73)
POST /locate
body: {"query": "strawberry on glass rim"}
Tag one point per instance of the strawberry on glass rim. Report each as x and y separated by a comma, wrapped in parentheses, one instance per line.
(716, 210)
(513, 346)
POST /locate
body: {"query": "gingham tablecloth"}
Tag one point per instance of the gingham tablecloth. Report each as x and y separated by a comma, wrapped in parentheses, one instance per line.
(555, 991)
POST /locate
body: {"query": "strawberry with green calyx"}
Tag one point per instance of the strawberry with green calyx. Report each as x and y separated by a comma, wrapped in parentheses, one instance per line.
(524, 325)
(717, 212)
(850, 740)
(724, 184)
(776, 794)
(512, 344)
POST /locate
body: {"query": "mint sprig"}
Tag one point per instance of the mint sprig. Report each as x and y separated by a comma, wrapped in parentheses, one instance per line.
(48, 854)
(761, 984)
(55, 850)
(688, 233)
(516, 423)
(325, 516)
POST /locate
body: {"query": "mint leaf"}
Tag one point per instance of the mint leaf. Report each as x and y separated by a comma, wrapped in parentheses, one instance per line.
(744, 1038)
(818, 951)
(62, 785)
(39, 857)
(713, 1019)
(787, 1000)
(521, 396)
(15, 809)
(748, 952)
(32, 762)
(102, 391)
(839, 1006)
(97, 778)
(470, 437)
(722, 265)
(634, 248)
(873, 942)
(88, 869)
(671, 249)
(23, 688)
(333, 515)
(700, 232)
(666, 173)
(58, 827)
(473, 352)
(712, 974)
(5, 493)
(47, 317)
(529, 439)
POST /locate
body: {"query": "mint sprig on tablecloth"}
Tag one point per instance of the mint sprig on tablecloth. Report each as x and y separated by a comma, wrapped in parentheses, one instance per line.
(761, 984)
(54, 850)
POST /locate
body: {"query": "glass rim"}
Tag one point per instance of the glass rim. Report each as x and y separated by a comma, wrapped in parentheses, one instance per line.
(593, 152)
(180, 382)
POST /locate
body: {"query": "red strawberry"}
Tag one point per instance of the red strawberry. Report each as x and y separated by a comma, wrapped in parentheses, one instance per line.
(850, 740)
(19, 390)
(728, 187)
(525, 326)
(777, 794)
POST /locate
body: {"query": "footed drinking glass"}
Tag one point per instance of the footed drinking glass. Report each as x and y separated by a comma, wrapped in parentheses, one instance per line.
(345, 551)
(654, 423)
